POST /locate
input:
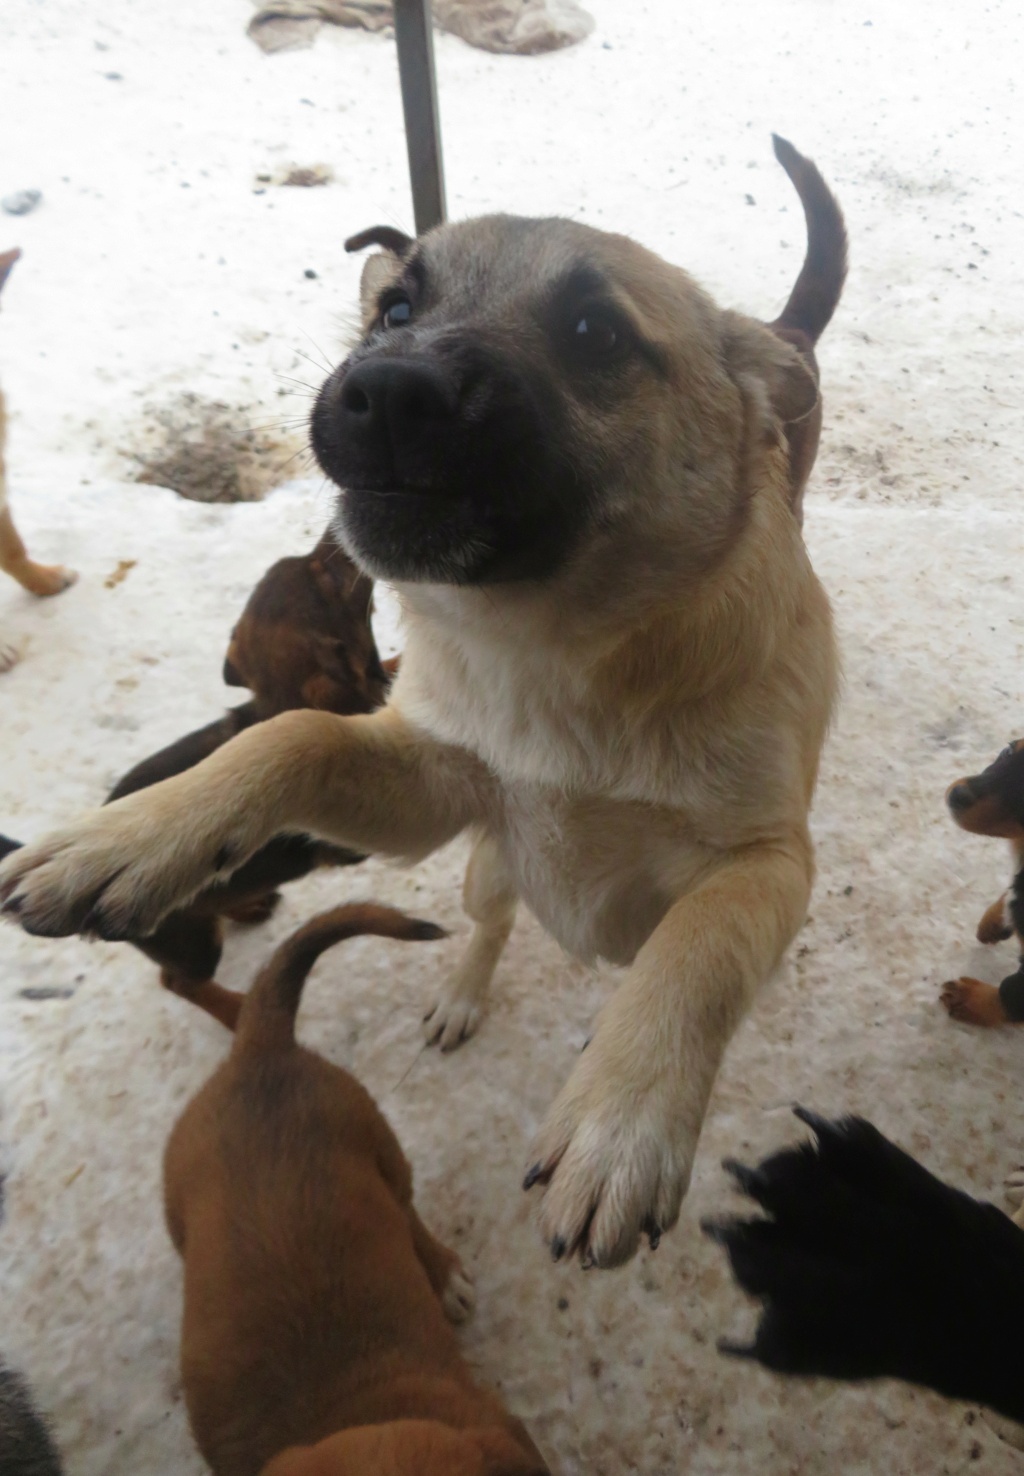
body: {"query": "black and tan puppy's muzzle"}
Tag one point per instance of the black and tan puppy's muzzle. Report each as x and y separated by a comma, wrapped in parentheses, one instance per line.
(992, 802)
(447, 467)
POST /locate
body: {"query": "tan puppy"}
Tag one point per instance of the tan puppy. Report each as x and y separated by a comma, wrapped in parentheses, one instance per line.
(316, 1328)
(618, 673)
(38, 579)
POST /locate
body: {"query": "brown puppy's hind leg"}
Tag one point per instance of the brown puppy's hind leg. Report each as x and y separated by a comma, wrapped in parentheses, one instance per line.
(254, 910)
(974, 1003)
(223, 1004)
(994, 926)
(445, 1271)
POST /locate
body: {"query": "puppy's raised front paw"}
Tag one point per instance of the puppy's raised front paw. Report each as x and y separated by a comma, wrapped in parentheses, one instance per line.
(116, 872)
(995, 925)
(459, 1300)
(616, 1164)
(973, 1002)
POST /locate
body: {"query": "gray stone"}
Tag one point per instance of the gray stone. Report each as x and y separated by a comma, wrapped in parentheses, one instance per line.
(21, 202)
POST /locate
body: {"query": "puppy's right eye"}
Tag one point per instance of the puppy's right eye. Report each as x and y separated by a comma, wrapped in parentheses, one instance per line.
(596, 335)
(397, 313)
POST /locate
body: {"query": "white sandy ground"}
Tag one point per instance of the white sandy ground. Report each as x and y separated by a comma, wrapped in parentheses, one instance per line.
(152, 267)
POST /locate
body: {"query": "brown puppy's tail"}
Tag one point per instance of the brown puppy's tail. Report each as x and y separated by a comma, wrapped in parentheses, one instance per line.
(267, 1020)
(820, 283)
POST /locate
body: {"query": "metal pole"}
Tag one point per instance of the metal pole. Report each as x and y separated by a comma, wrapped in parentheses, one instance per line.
(415, 41)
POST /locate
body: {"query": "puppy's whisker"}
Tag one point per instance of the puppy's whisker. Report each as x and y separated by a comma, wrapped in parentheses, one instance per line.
(324, 363)
(302, 384)
(405, 1074)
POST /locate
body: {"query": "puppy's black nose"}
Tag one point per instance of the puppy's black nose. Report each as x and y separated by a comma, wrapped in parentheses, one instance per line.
(396, 402)
(959, 797)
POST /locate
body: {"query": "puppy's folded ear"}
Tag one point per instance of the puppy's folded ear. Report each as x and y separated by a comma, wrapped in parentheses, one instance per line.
(767, 369)
(382, 268)
(395, 241)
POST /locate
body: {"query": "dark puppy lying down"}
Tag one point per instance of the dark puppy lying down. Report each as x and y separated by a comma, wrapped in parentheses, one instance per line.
(868, 1266)
(316, 1334)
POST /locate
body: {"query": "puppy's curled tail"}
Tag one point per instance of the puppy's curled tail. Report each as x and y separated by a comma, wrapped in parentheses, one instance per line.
(267, 1019)
(819, 286)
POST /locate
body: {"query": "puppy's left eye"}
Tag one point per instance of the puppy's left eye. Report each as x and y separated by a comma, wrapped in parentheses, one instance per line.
(397, 313)
(596, 334)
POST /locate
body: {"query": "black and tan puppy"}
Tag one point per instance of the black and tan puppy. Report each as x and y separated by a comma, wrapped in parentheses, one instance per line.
(617, 674)
(992, 803)
(869, 1267)
(316, 1333)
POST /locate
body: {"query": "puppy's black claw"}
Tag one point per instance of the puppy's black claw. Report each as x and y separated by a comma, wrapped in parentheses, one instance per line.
(533, 1176)
(822, 1127)
(751, 1180)
(653, 1231)
(718, 1230)
(558, 1248)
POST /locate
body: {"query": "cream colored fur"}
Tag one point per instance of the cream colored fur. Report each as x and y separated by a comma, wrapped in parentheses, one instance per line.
(635, 742)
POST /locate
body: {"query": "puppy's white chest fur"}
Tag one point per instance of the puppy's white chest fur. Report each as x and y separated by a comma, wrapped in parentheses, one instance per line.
(598, 874)
(603, 817)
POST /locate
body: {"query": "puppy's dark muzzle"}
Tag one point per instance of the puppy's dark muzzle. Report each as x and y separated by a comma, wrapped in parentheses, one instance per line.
(392, 420)
(959, 798)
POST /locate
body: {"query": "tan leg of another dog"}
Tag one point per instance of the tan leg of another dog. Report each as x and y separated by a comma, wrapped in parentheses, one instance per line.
(38, 579)
(490, 900)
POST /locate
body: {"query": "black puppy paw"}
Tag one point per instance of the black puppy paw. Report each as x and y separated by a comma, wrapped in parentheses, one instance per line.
(867, 1265)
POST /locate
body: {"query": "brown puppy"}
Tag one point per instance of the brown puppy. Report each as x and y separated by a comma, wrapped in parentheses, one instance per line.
(38, 579)
(992, 803)
(303, 640)
(617, 675)
(316, 1330)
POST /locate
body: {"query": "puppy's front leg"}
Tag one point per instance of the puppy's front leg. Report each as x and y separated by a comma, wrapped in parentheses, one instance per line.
(373, 783)
(617, 1147)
